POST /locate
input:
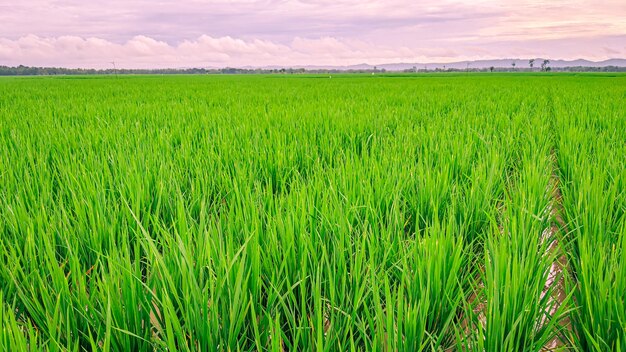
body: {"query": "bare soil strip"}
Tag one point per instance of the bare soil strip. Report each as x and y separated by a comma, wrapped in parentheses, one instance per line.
(476, 299)
(555, 282)
(556, 230)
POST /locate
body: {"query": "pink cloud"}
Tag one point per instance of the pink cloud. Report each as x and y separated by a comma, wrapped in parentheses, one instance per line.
(142, 51)
(206, 51)
(158, 33)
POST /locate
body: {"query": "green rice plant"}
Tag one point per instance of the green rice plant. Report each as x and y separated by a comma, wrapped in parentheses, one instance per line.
(300, 213)
(594, 199)
(16, 335)
(513, 309)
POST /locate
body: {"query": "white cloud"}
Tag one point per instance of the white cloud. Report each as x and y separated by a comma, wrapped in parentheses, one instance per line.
(207, 51)
(143, 51)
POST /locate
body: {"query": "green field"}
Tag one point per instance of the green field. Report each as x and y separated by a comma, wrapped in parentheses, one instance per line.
(288, 212)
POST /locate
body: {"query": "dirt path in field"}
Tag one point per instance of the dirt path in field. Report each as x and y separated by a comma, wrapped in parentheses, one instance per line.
(555, 282)
(555, 233)
(476, 300)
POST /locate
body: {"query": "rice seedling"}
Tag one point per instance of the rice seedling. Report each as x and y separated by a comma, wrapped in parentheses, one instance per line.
(297, 213)
(592, 164)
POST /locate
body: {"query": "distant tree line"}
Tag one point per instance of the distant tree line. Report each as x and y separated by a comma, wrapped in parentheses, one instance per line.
(591, 69)
(40, 71)
(36, 71)
(507, 69)
(50, 71)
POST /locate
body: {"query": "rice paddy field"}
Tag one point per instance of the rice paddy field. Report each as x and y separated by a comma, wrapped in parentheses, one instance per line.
(439, 212)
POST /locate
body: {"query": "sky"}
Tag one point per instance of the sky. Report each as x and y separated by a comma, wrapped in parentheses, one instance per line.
(240, 33)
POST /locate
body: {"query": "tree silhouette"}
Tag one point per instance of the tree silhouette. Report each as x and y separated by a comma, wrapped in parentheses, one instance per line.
(531, 63)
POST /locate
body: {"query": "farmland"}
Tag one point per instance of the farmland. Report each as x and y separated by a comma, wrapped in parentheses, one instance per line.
(292, 212)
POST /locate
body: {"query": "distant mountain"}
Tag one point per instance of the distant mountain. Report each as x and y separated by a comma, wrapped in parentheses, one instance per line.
(460, 65)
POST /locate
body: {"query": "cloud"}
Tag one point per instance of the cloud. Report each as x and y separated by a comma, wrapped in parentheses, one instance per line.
(160, 33)
(207, 51)
(143, 51)
(282, 20)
